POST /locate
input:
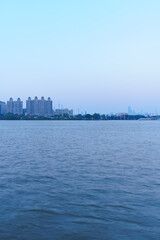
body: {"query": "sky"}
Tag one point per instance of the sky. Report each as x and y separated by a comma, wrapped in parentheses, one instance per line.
(89, 55)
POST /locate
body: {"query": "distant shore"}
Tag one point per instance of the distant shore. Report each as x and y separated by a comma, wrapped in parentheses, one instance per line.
(87, 117)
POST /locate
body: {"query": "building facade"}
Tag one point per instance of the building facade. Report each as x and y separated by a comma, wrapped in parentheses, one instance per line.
(3, 108)
(39, 107)
(62, 112)
(15, 107)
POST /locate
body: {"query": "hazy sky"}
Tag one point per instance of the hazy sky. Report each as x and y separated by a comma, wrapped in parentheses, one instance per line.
(95, 55)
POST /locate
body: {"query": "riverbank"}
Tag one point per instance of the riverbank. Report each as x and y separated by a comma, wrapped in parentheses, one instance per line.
(87, 117)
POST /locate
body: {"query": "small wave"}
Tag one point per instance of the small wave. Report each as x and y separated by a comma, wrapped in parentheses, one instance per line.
(119, 206)
(81, 222)
(94, 217)
(128, 221)
(42, 211)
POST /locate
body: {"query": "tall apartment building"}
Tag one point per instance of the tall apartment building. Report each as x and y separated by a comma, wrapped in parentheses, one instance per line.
(15, 107)
(3, 108)
(39, 107)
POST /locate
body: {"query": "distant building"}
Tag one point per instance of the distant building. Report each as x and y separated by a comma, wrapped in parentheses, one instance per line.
(18, 107)
(39, 107)
(130, 112)
(15, 107)
(3, 108)
(10, 106)
(62, 112)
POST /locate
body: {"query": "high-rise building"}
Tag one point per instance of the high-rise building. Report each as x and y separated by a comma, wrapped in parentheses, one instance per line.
(15, 107)
(10, 106)
(49, 107)
(18, 107)
(29, 107)
(3, 108)
(39, 107)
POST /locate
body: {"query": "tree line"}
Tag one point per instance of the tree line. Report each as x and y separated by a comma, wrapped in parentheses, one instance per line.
(95, 116)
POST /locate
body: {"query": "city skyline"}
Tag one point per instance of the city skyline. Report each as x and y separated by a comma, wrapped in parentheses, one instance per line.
(62, 105)
(33, 107)
(22, 105)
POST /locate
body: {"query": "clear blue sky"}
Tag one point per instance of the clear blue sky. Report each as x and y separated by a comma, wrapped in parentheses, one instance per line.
(95, 55)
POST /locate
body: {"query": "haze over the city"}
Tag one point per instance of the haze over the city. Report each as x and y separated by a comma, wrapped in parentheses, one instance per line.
(95, 56)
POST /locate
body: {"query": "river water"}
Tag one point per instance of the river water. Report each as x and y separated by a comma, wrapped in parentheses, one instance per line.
(80, 180)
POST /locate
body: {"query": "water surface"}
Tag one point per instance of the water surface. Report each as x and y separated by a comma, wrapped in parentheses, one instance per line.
(80, 180)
